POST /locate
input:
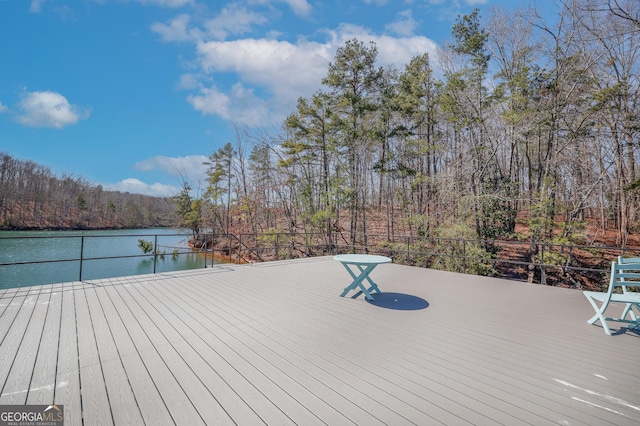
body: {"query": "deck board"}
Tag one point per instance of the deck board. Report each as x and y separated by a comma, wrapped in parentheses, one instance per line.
(339, 378)
(16, 329)
(117, 385)
(22, 368)
(151, 318)
(481, 375)
(148, 400)
(42, 385)
(273, 343)
(9, 302)
(342, 365)
(254, 403)
(206, 363)
(67, 384)
(169, 390)
(95, 399)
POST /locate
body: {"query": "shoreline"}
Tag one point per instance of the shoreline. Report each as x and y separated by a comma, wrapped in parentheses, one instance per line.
(78, 228)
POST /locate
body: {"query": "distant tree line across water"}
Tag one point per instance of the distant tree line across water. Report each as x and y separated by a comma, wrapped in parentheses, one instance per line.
(32, 197)
(524, 119)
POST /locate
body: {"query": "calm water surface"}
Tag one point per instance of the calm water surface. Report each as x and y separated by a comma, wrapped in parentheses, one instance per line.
(70, 246)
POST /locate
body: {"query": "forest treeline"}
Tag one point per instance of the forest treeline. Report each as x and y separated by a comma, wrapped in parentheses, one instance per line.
(32, 197)
(522, 117)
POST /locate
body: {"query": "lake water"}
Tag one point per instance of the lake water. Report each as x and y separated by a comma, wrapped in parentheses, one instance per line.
(70, 246)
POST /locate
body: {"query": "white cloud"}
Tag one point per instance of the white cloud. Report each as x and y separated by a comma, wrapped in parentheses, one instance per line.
(405, 25)
(378, 2)
(136, 186)
(299, 7)
(167, 3)
(475, 2)
(283, 68)
(188, 81)
(177, 29)
(273, 74)
(36, 6)
(234, 19)
(211, 101)
(191, 167)
(391, 50)
(257, 81)
(48, 109)
(3, 108)
(240, 106)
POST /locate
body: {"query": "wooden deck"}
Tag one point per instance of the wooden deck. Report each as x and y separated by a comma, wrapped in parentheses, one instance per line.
(273, 343)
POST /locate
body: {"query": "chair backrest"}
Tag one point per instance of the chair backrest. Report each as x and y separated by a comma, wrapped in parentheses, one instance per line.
(624, 275)
(628, 259)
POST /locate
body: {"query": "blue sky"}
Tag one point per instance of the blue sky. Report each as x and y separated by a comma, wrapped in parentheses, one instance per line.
(134, 94)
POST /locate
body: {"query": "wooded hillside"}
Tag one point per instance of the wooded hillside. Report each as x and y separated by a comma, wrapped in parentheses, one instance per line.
(32, 197)
(523, 120)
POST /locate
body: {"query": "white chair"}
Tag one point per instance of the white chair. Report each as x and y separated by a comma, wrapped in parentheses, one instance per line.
(623, 275)
(628, 259)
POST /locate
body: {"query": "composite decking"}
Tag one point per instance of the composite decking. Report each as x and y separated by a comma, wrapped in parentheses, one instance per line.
(273, 343)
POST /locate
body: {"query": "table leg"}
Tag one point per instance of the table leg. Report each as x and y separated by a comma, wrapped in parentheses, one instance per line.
(374, 286)
(357, 281)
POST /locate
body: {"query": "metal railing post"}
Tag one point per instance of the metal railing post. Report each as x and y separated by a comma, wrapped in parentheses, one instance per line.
(81, 256)
(543, 274)
(155, 252)
(206, 250)
(464, 256)
(213, 252)
(408, 249)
